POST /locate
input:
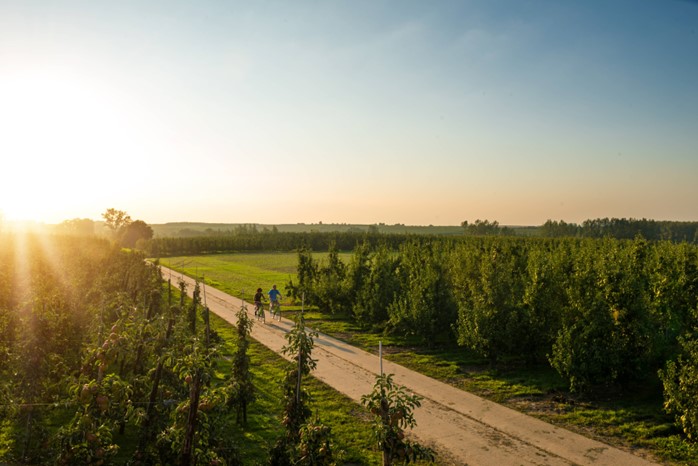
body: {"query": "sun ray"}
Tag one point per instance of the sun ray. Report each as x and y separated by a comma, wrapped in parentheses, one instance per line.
(21, 281)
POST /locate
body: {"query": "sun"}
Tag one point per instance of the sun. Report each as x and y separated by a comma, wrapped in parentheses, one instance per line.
(63, 136)
(46, 117)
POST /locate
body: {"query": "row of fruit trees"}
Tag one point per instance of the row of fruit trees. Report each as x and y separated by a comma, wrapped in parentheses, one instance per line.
(96, 348)
(601, 312)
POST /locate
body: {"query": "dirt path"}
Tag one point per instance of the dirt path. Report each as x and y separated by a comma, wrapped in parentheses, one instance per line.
(463, 428)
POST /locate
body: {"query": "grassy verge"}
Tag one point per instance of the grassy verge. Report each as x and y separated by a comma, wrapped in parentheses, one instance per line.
(633, 420)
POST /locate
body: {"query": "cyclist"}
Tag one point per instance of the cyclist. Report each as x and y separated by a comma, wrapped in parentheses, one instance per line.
(274, 297)
(258, 307)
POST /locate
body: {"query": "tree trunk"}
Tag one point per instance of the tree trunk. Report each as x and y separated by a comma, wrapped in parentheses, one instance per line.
(194, 392)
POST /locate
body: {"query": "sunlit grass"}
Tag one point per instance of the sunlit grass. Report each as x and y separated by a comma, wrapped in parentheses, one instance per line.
(242, 273)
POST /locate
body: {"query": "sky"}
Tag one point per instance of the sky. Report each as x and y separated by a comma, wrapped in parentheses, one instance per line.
(362, 111)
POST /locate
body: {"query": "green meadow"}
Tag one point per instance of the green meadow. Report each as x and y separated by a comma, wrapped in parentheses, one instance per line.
(240, 274)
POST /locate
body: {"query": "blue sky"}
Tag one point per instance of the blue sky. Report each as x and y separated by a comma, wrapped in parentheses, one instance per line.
(360, 112)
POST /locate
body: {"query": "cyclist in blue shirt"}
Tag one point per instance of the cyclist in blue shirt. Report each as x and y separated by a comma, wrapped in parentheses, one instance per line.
(274, 295)
(274, 304)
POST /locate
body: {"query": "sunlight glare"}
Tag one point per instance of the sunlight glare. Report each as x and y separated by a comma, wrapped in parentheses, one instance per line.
(64, 136)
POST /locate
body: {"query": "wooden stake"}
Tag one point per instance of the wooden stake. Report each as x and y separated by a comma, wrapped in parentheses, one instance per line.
(380, 356)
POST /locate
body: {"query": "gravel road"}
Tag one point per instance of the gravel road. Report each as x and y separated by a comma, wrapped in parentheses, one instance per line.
(464, 429)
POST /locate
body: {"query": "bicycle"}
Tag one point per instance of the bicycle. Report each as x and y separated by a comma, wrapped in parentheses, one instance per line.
(259, 312)
(275, 310)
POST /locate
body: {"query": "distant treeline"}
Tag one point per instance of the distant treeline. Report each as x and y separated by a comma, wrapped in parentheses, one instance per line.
(620, 228)
(252, 238)
(191, 229)
(623, 228)
(267, 241)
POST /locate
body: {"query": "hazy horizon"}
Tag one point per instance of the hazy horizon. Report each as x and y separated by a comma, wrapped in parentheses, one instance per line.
(20, 225)
(349, 112)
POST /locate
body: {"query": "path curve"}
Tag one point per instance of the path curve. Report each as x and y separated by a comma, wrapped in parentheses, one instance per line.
(463, 428)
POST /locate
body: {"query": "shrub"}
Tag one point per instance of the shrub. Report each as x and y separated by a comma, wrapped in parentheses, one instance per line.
(680, 379)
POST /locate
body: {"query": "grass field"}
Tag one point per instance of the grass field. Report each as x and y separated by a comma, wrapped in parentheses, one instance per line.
(632, 420)
(241, 274)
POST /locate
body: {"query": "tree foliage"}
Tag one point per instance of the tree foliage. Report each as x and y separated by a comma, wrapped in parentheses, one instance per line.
(125, 231)
(680, 379)
(299, 346)
(623, 228)
(241, 386)
(601, 312)
(492, 317)
(305, 441)
(115, 219)
(88, 336)
(424, 306)
(375, 282)
(77, 226)
(393, 408)
(135, 232)
(486, 228)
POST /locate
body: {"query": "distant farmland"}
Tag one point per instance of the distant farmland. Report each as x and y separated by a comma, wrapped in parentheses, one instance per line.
(204, 229)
